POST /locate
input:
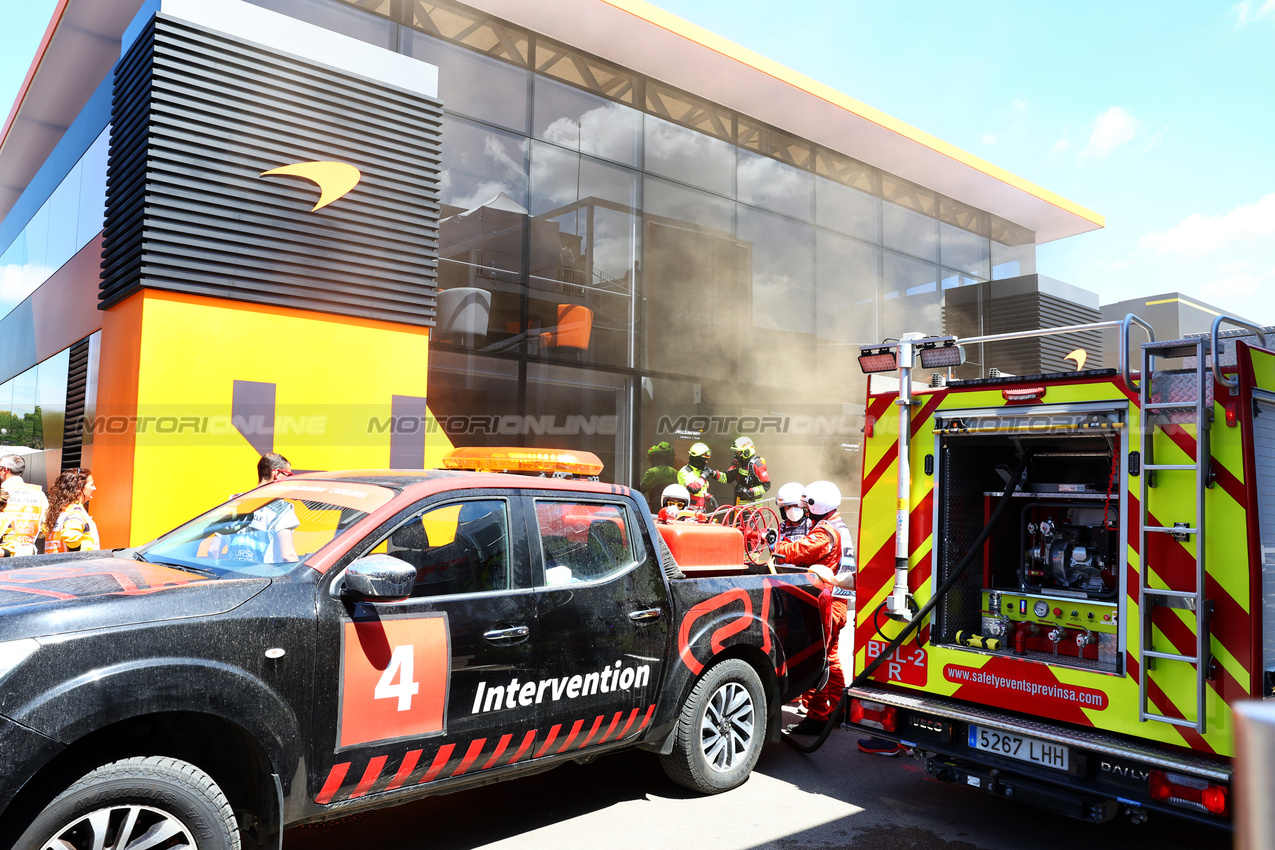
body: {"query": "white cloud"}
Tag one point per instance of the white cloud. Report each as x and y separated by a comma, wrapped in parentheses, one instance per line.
(1245, 13)
(1155, 140)
(1060, 146)
(989, 138)
(1111, 130)
(1199, 235)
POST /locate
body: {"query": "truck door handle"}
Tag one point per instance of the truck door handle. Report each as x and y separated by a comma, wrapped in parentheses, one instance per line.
(514, 634)
(646, 614)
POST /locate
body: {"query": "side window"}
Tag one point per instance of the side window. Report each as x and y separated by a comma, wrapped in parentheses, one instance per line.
(584, 541)
(459, 547)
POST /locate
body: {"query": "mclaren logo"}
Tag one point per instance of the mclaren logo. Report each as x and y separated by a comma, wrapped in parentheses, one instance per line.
(1080, 356)
(334, 179)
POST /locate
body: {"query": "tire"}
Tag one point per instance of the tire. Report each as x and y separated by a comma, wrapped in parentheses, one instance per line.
(133, 802)
(720, 731)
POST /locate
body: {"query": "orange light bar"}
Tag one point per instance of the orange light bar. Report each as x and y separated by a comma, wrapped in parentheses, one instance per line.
(484, 459)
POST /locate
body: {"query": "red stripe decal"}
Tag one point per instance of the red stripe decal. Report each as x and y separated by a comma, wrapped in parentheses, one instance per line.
(524, 746)
(597, 724)
(553, 734)
(444, 753)
(373, 772)
(471, 755)
(1182, 639)
(1193, 739)
(625, 730)
(647, 719)
(887, 459)
(335, 778)
(500, 749)
(575, 730)
(404, 770)
(1221, 475)
(611, 728)
(923, 415)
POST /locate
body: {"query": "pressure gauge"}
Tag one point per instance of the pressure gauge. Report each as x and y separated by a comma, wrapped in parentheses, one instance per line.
(1041, 608)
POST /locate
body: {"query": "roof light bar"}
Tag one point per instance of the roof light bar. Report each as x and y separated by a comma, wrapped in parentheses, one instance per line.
(941, 356)
(523, 460)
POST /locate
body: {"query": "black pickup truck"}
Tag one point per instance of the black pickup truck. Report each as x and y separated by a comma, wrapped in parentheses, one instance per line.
(437, 630)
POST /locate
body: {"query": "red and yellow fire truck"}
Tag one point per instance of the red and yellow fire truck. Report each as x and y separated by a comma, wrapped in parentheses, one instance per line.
(1063, 586)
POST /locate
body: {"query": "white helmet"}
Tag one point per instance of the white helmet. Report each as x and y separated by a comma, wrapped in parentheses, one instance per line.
(822, 497)
(788, 500)
(675, 492)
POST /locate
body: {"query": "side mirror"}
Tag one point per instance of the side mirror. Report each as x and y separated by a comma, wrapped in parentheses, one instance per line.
(379, 578)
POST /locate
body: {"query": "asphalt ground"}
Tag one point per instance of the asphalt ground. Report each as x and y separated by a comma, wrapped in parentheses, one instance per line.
(834, 798)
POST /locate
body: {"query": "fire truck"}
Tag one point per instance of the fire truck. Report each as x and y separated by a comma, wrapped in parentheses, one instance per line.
(1064, 588)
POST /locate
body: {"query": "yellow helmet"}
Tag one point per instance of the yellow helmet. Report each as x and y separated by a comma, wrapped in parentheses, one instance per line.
(743, 448)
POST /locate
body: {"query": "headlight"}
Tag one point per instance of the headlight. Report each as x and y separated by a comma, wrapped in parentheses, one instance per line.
(14, 652)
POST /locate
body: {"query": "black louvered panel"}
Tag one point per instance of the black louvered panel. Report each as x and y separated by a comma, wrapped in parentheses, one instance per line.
(77, 379)
(217, 113)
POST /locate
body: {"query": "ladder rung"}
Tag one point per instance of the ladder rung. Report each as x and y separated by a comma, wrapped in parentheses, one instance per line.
(1182, 466)
(1172, 405)
(1168, 530)
(1170, 656)
(1181, 594)
(1164, 718)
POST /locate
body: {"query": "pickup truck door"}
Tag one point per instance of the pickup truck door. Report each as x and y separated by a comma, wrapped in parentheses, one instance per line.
(603, 621)
(402, 705)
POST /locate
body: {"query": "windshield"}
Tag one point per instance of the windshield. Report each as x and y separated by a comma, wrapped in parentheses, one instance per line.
(266, 531)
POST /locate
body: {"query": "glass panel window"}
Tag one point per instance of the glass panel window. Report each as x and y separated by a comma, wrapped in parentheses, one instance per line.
(588, 409)
(580, 121)
(91, 210)
(460, 547)
(782, 260)
(62, 205)
(689, 156)
(848, 289)
(333, 16)
(775, 186)
(473, 84)
(1012, 260)
(484, 216)
(585, 541)
(847, 210)
(678, 206)
(912, 301)
(961, 249)
(910, 232)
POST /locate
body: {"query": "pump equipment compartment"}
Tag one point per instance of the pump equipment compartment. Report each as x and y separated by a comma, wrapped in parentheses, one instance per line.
(1050, 578)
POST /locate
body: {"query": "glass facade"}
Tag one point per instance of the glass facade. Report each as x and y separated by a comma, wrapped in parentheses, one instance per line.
(621, 262)
(32, 412)
(67, 221)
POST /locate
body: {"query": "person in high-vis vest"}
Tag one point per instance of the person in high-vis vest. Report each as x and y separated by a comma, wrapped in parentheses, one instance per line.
(23, 516)
(67, 525)
(749, 473)
(696, 475)
(828, 552)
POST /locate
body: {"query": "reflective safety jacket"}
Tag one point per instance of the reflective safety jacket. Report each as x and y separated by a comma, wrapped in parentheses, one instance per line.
(22, 517)
(74, 531)
(752, 479)
(696, 483)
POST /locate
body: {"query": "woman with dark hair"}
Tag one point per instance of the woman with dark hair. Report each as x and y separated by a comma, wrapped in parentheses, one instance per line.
(67, 525)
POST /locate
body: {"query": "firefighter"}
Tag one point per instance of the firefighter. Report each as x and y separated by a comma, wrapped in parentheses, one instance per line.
(696, 475)
(661, 474)
(828, 552)
(794, 519)
(675, 505)
(748, 472)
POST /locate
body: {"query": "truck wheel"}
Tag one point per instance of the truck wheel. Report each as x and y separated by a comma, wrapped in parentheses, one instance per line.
(136, 803)
(720, 731)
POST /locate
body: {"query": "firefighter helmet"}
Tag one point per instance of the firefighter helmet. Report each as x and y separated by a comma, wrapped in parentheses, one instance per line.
(675, 493)
(822, 497)
(743, 448)
(660, 448)
(699, 455)
(788, 500)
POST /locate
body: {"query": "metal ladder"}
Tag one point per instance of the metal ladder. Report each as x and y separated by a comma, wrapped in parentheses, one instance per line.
(1157, 403)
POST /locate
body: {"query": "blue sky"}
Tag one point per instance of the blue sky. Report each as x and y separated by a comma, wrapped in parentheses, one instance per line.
(1159, 116)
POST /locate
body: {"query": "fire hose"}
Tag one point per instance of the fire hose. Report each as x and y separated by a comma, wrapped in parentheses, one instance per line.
(914, 623)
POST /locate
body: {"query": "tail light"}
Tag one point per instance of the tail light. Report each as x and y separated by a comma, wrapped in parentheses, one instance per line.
(874, 714)
(1188, 792)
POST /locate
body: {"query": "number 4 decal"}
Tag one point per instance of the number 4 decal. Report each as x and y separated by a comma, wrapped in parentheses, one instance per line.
(394, 674)
(400, 665)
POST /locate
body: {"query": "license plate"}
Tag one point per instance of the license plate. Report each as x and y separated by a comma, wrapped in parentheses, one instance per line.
(1020, 747)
